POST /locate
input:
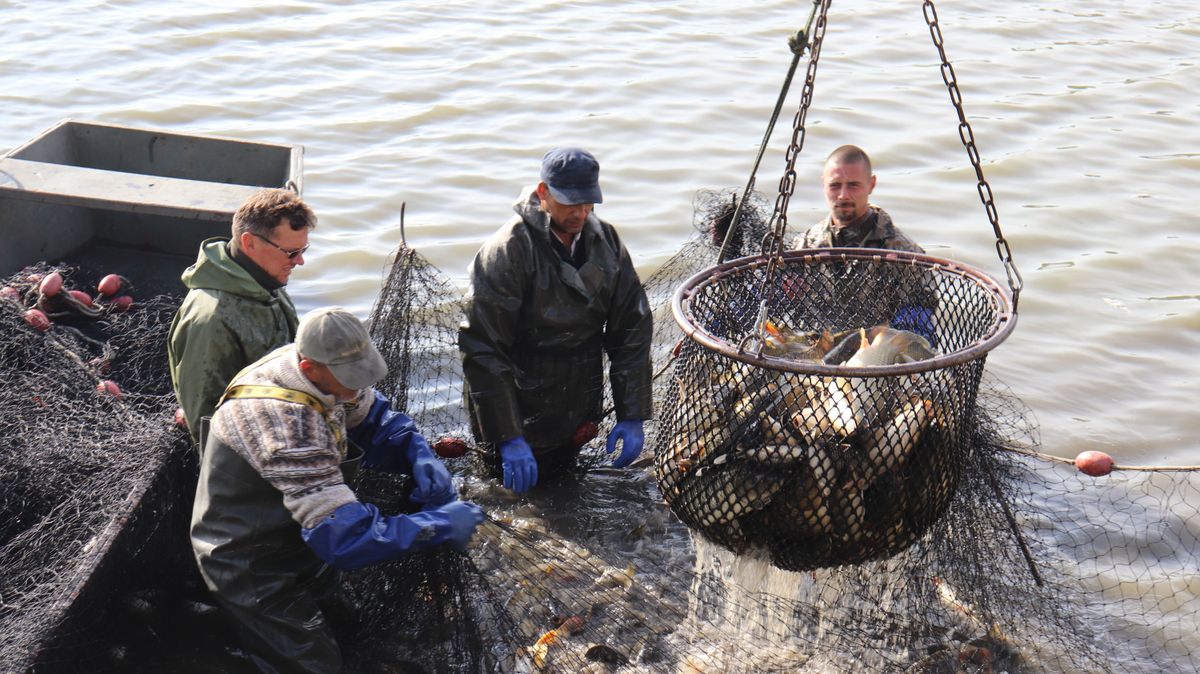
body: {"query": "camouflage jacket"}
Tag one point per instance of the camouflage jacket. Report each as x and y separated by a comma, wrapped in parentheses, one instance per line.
(876, 231)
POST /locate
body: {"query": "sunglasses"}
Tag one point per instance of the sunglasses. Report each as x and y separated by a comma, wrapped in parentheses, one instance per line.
(291, 254)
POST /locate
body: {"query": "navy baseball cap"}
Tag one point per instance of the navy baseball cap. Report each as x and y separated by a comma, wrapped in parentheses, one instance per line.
(573, 176)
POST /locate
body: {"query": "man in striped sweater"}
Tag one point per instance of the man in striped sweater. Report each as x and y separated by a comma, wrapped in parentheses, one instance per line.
(273, 511)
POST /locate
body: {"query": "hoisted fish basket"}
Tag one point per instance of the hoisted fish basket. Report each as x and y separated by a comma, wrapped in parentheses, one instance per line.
(820, 405)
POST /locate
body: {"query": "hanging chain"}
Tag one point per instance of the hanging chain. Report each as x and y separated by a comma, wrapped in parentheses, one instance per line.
(772, 243)
(797, 43)
(1015, 282)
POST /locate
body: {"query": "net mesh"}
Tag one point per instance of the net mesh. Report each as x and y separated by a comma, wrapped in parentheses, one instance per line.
(962, 552)
(1003, 560)
(76, 467)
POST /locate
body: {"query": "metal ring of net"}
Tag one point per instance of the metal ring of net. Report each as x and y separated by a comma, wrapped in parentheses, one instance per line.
(819, 408)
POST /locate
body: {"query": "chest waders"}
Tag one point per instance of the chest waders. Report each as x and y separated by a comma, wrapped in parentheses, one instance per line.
(251, 554)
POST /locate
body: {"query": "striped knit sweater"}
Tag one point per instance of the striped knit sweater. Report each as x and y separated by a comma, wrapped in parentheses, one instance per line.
(291, 444)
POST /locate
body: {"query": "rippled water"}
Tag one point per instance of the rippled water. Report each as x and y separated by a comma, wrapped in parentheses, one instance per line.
(1084, 114)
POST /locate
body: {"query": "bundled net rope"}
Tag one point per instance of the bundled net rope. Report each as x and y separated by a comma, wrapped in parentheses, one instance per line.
(1002, 561)
(76, 461)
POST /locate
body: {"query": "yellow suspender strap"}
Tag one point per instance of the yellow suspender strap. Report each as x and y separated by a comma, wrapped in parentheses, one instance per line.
(288, 395)
(273, 393)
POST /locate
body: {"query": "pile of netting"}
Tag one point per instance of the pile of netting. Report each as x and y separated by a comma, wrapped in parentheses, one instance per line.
(964, 550)
(86, 427)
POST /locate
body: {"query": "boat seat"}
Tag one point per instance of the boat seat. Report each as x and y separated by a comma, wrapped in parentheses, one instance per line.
(114, 190)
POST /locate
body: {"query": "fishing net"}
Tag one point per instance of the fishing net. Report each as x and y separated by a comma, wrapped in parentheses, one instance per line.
(1002, 560)
(86, 501)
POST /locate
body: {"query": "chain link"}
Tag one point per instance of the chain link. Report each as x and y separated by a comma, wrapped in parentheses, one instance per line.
(967, 136)
(772, 243)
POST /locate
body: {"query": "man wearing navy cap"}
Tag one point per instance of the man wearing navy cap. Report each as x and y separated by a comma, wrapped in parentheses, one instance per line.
(551, 292)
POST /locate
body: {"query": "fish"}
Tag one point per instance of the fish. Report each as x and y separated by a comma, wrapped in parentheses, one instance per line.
(776, 455)
(781, 341)
(776, 432)
(846, 344)
(993, 646)
(687, 452)
(722, 491)
(848, 404)
(888, 446)
(606, 654)
(541, 648)
(883, 345)
(843, 406)
(804, 501)
(614, 577)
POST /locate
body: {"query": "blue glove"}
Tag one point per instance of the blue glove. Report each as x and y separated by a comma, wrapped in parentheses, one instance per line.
(434, 485)
(520, 468)
(918, 320)
(386, 437)
(464, 516)
(629, 432)
(357, 534)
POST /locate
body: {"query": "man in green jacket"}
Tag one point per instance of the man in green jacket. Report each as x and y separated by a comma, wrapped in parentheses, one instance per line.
(236, 309)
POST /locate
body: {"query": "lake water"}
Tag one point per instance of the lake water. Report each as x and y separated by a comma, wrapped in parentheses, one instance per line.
(1084, 114)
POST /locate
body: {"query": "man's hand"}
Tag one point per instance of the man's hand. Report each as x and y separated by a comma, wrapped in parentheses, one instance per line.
(629, 432)
(520, 468)
(434, 484)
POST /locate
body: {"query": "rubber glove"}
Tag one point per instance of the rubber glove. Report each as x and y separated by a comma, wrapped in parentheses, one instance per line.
(434, 484)
(464, 517)
(520, 468)
(357, 534)
(629, 432)
(918, 320)
(385, 437)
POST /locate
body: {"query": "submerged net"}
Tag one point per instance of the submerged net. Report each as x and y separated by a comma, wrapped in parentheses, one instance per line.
(82, 479)
(967, 551)
(1012, 562)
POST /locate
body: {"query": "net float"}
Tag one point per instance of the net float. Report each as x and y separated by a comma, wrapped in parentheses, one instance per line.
(1096, 464)
(110, 285)
(100, 364)
(180, 418)
(584, 433)
(81, 297)
(37, 319)
(452, 448)
(10, 293)
(51, 284)
(109, 387)
(121, 303)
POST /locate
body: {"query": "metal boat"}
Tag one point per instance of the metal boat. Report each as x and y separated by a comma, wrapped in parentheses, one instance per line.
(135, 202)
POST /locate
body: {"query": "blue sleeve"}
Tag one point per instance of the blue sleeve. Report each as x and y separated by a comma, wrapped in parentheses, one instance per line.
(357, 534)
(389, 439)
(916, 319)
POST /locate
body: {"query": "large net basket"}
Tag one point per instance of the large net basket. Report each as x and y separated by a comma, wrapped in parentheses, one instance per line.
(822, 400)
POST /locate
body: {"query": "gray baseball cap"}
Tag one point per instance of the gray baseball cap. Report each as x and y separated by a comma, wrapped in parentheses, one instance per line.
(573, 176)
(335, 337)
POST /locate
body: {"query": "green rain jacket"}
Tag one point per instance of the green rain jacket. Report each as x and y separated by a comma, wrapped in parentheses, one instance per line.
(226, 322)
(535, 326)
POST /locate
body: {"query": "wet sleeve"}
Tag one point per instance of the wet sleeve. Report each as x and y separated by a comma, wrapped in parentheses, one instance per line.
(488, 334)
(628, 334)
(209, 355)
